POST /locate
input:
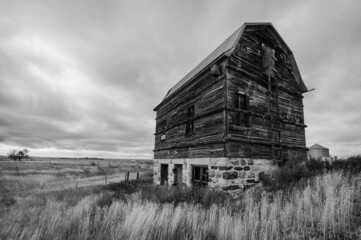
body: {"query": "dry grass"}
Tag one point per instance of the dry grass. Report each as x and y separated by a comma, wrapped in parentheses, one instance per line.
(321, 208)
(73, 167)
(27, 178)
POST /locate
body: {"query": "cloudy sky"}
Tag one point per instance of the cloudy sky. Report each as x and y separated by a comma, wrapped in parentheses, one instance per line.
(80, 78)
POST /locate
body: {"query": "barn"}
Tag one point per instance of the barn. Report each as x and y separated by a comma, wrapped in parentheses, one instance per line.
(235, 116)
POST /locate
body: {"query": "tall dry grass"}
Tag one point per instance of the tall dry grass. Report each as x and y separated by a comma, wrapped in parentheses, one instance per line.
(321, 209)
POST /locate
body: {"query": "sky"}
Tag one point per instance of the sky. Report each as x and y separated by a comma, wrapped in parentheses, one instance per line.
(81, 78)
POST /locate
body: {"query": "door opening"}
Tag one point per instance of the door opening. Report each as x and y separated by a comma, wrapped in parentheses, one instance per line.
(178, 174)
(163, 174)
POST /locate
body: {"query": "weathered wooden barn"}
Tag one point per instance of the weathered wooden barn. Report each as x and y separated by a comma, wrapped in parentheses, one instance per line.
(236, 115)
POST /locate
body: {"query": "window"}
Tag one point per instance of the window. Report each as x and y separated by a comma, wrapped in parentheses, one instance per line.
(200, 176)
(241, 104)
(190, 121)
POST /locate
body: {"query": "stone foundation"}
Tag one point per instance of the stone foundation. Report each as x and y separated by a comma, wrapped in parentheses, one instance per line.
(227, 174)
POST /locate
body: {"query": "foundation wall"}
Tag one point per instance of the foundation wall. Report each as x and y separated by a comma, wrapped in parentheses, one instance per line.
(227, 174)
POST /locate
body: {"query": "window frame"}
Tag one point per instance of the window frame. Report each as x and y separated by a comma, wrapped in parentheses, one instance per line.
(241, 115)
(202, 172)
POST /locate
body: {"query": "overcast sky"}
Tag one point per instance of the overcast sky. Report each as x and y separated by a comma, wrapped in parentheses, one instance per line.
(81, 78)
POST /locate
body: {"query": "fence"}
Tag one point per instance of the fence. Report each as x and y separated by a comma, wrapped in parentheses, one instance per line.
(48, 186)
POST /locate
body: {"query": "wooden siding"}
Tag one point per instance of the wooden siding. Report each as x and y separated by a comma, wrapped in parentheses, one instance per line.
(245, 75)
(195, 151)
(207, 96)
(274, 116)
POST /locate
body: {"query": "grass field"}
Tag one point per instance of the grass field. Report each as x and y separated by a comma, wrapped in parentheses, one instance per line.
(21, 179)
(323, 204)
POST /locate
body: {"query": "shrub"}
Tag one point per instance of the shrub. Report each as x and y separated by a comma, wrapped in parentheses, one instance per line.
(286, 176)
(291, 173)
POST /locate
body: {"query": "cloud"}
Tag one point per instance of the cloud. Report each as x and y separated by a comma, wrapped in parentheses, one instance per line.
(83, 77)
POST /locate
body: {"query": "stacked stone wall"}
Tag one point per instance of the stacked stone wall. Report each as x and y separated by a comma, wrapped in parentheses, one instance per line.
(238, 173)
(227, 174)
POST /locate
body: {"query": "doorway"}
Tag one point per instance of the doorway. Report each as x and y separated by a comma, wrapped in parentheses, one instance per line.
(163, 174)
(178, 174)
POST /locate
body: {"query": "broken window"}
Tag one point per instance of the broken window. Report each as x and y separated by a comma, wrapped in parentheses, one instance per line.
(268, 60)
(200, 176)
(190, 121)
(241, 118)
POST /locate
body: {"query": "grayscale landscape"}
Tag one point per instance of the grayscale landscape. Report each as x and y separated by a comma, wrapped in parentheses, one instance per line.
(182, 120)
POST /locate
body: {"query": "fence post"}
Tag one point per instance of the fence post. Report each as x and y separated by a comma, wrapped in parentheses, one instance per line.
(105, 179)
(127, 177)
(137, 175)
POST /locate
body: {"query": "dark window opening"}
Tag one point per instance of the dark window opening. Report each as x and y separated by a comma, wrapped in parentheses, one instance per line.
(190, 121)
(277, 154)
(200, 176)
(162, 125)
(241, 103)
(301, 120)
(190, 112)
(190, 128)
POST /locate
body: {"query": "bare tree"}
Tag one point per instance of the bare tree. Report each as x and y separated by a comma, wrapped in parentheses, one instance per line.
(17, 155)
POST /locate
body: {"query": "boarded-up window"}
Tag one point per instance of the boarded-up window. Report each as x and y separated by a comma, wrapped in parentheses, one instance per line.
(200, 176)
(190, 121)
(241, 118)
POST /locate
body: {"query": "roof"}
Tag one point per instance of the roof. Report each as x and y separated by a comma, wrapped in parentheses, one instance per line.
(226, 49)
(227, 45)
(317, 146)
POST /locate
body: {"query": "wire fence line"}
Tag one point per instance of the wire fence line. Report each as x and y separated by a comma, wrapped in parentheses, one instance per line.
(47, 186)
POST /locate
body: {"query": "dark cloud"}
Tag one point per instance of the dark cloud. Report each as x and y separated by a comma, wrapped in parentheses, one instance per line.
(82, 77)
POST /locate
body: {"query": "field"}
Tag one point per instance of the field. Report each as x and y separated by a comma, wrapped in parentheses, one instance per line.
(21, 179)
(319, 202)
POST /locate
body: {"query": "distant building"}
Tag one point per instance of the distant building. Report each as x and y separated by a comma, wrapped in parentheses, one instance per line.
(236, 115)
(318, 151)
